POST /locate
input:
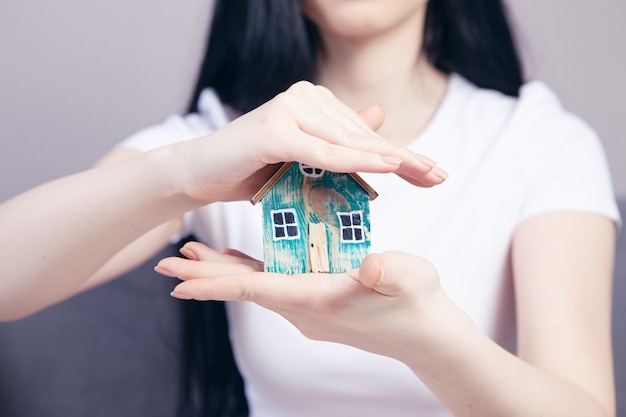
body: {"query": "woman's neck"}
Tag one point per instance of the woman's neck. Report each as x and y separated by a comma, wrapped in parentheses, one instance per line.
(389, 69)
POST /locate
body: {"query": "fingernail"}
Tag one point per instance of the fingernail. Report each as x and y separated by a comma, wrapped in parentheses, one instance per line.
(188, 253)
(180, 295)
(425, 162)
(392, 160)
(440, 173)
(164, 271)
(353, 273)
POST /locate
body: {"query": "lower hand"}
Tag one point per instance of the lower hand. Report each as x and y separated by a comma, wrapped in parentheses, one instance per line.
(384, 307)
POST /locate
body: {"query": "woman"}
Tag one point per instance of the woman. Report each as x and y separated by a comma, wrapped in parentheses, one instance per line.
(516, 211)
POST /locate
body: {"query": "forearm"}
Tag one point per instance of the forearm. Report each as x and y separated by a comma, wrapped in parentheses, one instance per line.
(472, 375)
(59, 234)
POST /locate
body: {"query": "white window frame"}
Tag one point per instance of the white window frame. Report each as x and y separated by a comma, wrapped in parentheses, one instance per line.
(316, 172)
(284, 225)
(351, 226)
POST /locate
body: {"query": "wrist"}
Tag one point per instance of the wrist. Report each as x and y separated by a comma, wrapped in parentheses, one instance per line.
(439, 336)
(169, 167)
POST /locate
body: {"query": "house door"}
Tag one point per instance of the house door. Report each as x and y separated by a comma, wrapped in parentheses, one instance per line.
(318, 248)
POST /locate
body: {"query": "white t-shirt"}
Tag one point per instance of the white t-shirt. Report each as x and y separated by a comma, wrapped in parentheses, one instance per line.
(508, 159)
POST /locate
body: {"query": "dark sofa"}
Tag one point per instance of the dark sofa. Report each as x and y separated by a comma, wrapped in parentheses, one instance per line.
(114, 351)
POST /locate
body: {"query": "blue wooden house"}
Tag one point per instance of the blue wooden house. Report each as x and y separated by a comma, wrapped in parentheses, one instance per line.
(314, 220)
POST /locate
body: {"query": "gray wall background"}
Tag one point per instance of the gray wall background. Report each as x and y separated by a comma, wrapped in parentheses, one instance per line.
(77, 76)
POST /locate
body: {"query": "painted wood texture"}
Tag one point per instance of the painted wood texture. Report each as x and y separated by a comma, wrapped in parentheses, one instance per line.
(318, 248)
(315, 201)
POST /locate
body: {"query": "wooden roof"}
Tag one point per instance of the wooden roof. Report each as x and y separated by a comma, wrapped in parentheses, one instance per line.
(285, 167)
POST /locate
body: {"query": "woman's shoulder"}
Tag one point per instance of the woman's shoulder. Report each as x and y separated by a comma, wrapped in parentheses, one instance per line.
(539, 103)
(535, 118)
(557, 157)
(537, 107)
(541, 121)
(211, 115)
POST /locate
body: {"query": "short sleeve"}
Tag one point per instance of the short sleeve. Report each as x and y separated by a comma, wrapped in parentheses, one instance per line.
(174, 129)
(210, 117)
(564, 164)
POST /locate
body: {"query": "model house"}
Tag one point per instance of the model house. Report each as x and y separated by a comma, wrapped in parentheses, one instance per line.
(314, 220)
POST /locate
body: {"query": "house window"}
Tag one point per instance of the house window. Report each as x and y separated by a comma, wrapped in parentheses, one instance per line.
(351, 225)
(312, 172)
(285, 224)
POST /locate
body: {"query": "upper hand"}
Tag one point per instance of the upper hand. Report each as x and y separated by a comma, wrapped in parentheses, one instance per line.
(307, 124)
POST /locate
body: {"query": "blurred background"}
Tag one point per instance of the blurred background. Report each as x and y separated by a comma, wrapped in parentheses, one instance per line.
(78, 76)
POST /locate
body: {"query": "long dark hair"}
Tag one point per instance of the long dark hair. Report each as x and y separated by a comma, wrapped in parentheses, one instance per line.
(258, 48)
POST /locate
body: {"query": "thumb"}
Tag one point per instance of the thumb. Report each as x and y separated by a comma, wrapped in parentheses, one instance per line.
(373, 115)
(395, 273)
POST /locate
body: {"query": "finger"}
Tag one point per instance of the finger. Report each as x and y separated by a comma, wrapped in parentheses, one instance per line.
(419, 176)
(242, 257)
(186, 269)
(373, 115)
(323, 134)
(236, 253)
(237, 287)
(326, 121)
(266, 289)
(318, 137)
(336, 127)
(200, 252)
(319, 113)
(324, 154)
(197, 251)
(329, 105)
(370, 273)
(395, 273)
(416, 169)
